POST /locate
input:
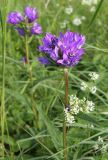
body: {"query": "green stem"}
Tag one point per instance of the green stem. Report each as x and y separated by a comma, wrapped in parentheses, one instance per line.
(30, 76)
(27, 57)
(3, 24)
(64, 123)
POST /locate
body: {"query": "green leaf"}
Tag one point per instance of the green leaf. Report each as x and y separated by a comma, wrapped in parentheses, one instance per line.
(87, 118)
(55, 134)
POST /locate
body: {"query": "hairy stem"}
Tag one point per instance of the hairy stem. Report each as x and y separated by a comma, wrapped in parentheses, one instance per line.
(27, 57)
(30, 76)
(64, 123)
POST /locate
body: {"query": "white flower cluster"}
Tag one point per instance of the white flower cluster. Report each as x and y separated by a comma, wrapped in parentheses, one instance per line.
(69, 10)
(69, 117)
(89, 2)
(78, 20)
(92, 9)
(64, 24)
(102, 147)
(94, 76)
(77, 105)
(90, 106)
(93, 89)
(84, 86)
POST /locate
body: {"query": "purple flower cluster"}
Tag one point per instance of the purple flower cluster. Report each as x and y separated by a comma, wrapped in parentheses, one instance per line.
(30, 17)
(15, 18)
(31, 14)
(36, 29)
(65, 50)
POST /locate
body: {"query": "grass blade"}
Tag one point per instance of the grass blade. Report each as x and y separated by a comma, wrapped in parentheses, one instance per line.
(96, 12)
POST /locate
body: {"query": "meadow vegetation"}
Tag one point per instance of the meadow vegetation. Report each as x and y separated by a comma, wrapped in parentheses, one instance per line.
(32, 110)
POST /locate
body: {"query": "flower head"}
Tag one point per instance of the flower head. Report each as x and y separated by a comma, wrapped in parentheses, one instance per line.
(93, 89)
(66, 50)
(93, 75)
(92, 9)
(80, 105)
(69, 10)
(89, 2)
(15, 18)
(77, 21)
(31, 14)
(50, 46)
(70, 120)
(64, 24)
(36, 29)
(70, 46)
(90, 106)
(83, 18)
(83, 86)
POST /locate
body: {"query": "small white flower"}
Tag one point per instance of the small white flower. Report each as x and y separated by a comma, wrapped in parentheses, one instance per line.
(81, 109)
(96, 146)
(83, 86)
(77, 21)
(89, 2)
(86, 2)
(64, 24)
(69, 10)
(100, 139)
(94, 76)
(93, 89)
(89, 106)
(73, 98)
(75, 109)
(83, 17)
(70, 119)
(92, 9)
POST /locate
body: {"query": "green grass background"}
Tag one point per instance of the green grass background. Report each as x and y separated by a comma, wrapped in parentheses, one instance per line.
(33, 124)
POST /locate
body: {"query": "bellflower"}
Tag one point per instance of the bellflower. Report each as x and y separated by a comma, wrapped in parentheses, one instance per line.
(50, 46)
(15, 18)
(66, 50)
(21, 23)
(20, 31)
(31, 14)
(36, 29)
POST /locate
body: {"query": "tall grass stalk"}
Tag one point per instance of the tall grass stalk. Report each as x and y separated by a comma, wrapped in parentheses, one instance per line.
(95, 14)
(64, 123)
(3, 25)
